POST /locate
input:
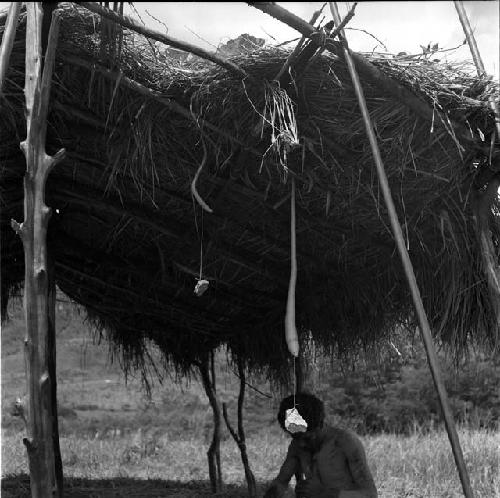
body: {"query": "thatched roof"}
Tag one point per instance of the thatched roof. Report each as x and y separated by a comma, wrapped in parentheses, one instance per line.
(126, 236)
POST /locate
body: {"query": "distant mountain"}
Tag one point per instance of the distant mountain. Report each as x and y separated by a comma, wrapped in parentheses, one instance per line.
(244, 44)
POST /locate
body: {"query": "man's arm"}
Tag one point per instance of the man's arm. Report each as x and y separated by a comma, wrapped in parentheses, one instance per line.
(361, 475)
(279, 485)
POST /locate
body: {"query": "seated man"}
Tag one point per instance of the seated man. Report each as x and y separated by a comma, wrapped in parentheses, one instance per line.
(328, 462)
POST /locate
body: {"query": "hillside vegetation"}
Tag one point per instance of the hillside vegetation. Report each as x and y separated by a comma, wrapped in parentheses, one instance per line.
(116, 437)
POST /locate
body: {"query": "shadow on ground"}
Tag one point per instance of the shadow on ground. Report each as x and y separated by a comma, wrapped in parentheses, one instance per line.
(18, 486)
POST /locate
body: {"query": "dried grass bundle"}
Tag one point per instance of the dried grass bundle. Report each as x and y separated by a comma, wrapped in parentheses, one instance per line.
(127, 237)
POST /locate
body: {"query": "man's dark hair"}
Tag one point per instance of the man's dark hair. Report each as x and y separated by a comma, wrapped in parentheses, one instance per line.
(311, 408)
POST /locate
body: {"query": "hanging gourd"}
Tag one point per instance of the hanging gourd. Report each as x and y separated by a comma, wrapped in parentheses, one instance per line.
(292, 340)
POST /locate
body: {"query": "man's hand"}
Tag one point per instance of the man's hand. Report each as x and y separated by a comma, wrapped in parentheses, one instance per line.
(312, 488)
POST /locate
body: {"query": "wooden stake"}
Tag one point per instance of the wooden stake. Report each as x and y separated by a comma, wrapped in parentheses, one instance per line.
(408, 268)
(8, 39)
(33, 232)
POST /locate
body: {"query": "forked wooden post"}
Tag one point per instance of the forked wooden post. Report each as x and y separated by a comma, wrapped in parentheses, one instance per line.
(408, 268)
(213, 453)
(33, 232)
(239, 437)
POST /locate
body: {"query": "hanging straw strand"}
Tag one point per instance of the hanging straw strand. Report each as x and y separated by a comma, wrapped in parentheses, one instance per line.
(194, 191)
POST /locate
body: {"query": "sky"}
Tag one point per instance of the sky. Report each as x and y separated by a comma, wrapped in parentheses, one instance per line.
(402, 26)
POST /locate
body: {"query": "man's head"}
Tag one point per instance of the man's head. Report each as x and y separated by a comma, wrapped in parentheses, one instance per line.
(310, 408)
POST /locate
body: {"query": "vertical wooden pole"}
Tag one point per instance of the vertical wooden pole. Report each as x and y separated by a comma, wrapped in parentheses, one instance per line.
(9, 35)
(213, 453)
(239, 437)
(33, 232)
(407, 266)
(52, 364)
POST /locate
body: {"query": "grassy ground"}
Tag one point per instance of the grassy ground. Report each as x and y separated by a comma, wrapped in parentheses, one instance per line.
(116, 441)
(139, 464)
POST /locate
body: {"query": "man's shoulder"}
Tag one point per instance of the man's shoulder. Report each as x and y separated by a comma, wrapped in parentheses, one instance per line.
(345, 438)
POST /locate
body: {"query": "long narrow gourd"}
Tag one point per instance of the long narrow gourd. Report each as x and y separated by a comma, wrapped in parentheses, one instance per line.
(290, 327)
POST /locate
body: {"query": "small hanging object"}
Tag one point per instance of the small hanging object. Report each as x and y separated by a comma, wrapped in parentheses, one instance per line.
(290, 327)
(294, 423)
(201, 287)
(194, 191)
(201, 284)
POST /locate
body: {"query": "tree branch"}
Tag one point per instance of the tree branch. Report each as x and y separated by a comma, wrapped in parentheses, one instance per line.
(228, 424)
(129, 23)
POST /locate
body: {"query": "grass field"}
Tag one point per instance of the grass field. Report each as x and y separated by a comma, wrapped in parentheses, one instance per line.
(146, 465)
(117, 442)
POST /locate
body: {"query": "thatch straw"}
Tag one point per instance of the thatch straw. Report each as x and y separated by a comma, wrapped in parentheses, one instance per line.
(128, 234)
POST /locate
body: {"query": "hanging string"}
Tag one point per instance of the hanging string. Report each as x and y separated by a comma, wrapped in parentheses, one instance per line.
(294, 383)
(201, 247)
(201, 284)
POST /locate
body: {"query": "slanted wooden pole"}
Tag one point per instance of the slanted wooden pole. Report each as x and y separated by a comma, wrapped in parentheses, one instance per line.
(408, 268)
(33, 232)
(8, 39)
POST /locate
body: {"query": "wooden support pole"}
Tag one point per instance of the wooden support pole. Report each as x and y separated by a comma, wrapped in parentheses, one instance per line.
(8, 39)
(52, 368)
(213, 453)
(33, 232)
(408, 269)
(239, 437)
(129, 23)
